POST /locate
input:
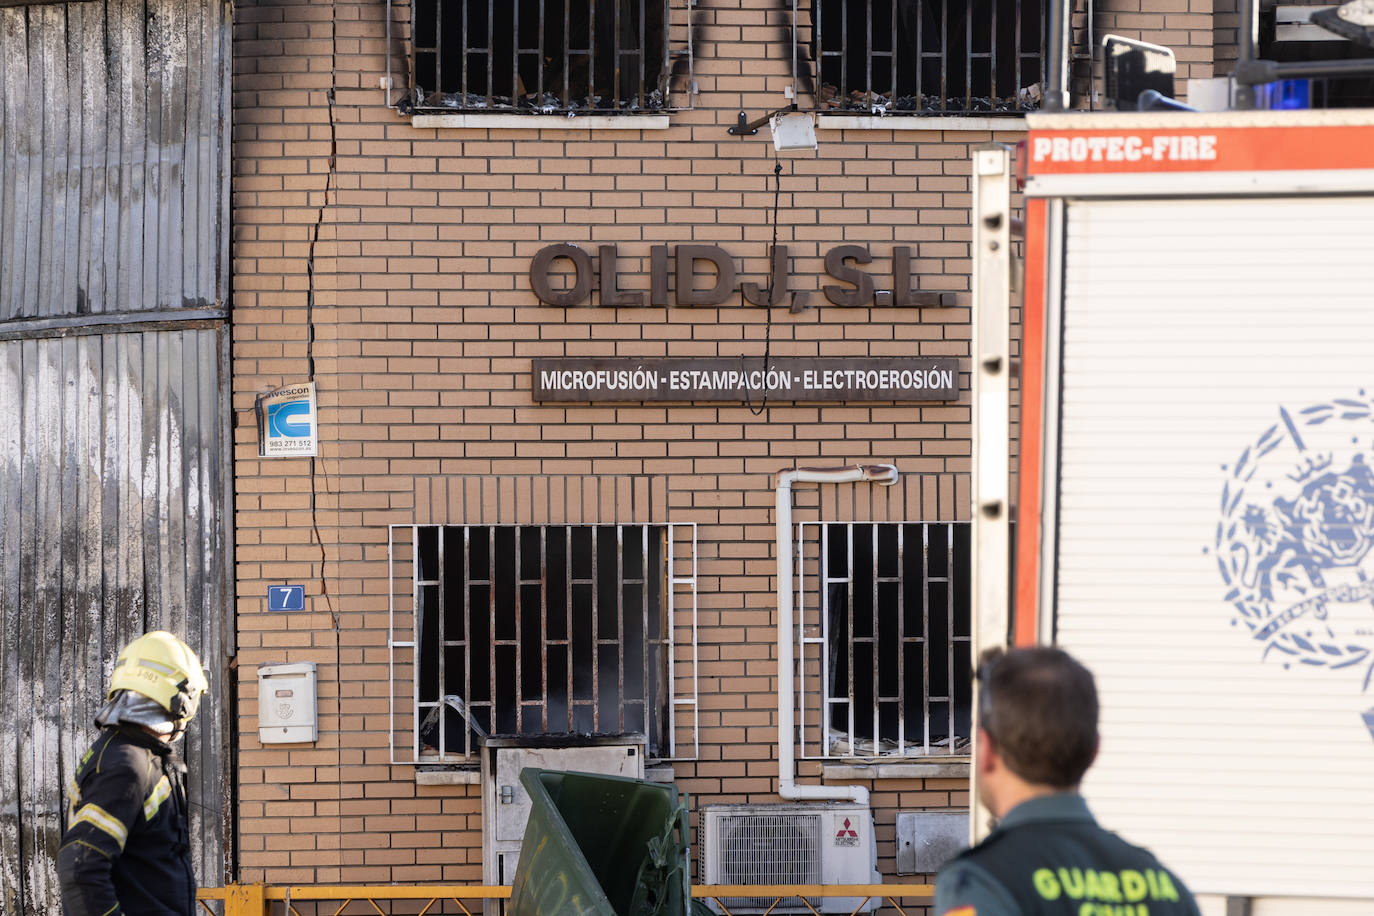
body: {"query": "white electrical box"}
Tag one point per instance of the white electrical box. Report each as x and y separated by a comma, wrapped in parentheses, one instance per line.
(506, 804)
(286, 704)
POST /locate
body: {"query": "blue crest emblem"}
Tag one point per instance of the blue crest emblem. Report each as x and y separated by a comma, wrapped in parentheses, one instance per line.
(1295, 543)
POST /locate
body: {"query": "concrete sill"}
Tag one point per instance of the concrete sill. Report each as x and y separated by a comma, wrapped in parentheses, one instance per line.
(495, 121)
(660, 772)
(447, 777)
(471, 777)
(917, 122)
(956, 768)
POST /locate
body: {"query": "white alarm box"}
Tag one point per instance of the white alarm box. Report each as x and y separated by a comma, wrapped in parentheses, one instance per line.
(286, 704)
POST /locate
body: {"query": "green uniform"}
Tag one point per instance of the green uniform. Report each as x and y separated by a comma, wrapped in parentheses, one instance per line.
(1048, 857)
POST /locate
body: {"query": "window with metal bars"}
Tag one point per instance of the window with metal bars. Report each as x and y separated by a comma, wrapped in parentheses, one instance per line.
(887, 639)
(606, 56)
(932, 57)
(539, 631)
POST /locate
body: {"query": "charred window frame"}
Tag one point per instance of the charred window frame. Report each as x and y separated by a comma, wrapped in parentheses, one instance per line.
(540, 631)
(925, 57)
(540, 56)
(886, 645)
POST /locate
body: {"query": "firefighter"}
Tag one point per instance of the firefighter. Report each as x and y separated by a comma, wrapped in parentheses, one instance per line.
(126, 849)
(1037, 736)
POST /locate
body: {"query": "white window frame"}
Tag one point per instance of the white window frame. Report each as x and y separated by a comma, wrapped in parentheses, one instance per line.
(679, 641)
(885, 117)
(678, 48)
(812, 638)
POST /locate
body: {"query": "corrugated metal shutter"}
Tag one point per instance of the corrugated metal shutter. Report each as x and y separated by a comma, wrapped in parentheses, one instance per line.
(113, 464)
(1206, 384)
(114, 165)
(114, 139)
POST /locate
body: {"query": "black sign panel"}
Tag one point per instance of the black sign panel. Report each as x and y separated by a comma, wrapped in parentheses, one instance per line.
(916, 378)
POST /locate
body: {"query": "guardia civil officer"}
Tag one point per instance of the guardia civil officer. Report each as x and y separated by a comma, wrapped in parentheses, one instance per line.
(126, 849)
(1047, 856)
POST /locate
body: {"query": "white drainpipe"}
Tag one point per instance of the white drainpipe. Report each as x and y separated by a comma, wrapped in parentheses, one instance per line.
(884, 474)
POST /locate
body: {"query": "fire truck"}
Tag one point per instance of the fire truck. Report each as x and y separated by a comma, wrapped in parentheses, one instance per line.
(1188, 503)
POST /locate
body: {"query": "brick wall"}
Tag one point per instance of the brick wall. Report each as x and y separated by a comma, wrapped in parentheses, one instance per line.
(423, 327)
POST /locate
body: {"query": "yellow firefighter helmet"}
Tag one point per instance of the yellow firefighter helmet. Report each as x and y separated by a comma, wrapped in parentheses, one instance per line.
(164, 669)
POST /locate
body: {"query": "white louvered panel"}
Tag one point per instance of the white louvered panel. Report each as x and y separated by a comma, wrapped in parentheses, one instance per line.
(1187, 326)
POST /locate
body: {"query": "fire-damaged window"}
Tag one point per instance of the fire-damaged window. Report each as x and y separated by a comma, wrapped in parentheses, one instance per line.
(607, 56)
(539, 631)
(925, 56)
(886, 646)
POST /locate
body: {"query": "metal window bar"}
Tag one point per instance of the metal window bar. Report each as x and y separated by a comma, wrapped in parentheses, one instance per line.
(815, 650)
(591, 54)
(560, 501)
(432, 70)
(978, 68)
(925, 631)
(471, 607)
(464, 67)
(567, 32)
(944, 54)
(463, 82)
(969, 57)
(616, 61)
(595, 640)
(688, 581)
(438, 629)
(568, 619)
(868, 58)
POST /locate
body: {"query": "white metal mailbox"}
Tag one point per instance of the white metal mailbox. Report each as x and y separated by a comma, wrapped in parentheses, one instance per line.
(286, 704)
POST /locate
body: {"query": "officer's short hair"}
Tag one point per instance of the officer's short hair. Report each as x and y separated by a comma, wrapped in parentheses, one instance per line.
(1039, 706)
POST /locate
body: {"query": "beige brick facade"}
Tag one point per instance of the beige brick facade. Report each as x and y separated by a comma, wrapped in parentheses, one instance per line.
(403, 253)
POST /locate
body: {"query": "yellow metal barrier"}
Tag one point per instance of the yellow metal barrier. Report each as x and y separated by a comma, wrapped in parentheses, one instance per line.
(256, 899)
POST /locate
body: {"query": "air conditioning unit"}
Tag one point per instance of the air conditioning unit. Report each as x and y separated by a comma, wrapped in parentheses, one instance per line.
(817, 843)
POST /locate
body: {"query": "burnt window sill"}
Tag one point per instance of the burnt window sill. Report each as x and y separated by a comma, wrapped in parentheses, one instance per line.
(917, 121)
(448, 775)
(471, 774)
(877, 768)
(515, 121)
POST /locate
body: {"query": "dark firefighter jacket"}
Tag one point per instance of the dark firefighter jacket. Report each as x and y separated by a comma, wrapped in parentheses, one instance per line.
(126, 848)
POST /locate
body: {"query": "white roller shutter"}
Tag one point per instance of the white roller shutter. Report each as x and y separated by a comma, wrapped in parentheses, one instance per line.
(1217, 416)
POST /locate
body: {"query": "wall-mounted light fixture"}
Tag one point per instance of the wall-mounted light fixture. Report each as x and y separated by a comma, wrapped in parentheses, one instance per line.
(792, 129)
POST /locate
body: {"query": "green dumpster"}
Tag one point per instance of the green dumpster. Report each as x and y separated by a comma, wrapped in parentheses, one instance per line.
(601, 846)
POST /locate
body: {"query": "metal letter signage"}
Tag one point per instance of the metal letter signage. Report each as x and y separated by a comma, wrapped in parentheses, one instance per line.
(706, 275)
(916, 378)
(582, 275)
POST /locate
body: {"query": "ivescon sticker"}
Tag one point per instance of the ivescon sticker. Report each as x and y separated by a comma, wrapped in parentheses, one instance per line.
(288, 422)
(1295, 543)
